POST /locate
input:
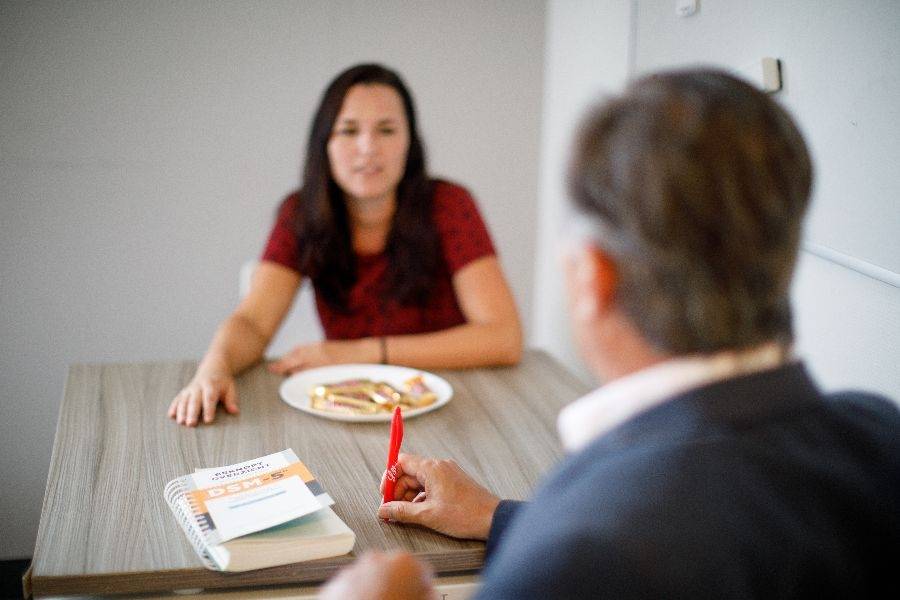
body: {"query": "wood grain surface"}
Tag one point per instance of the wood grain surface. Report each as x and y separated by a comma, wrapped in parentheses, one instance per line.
(106, 529)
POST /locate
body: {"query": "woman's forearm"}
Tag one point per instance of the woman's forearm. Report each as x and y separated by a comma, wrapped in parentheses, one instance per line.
(469, 345)
(237, 344)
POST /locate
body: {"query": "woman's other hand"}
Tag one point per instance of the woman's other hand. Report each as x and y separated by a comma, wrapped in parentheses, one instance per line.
(328, 352)
(199, 398)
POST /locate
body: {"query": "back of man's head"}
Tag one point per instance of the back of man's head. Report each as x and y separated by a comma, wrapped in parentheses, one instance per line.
(696, 184)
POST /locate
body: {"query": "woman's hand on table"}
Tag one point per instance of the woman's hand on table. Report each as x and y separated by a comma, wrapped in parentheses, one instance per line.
(439, 495)
(377, 576)
(199, 398)
(328, 352)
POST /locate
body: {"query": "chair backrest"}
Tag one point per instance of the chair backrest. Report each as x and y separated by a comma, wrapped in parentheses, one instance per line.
(246, 276)
(300, 326)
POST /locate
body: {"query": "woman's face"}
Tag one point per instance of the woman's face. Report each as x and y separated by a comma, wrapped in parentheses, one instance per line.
(369, 142)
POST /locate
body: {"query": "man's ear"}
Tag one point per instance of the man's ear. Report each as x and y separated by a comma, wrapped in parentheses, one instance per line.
(606, 277)
(594, 280)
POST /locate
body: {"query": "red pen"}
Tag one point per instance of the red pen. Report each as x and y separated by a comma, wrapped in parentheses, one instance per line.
(394, 449)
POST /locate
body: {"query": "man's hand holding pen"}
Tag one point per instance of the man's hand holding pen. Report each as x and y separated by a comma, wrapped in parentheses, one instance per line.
(432, 493)
(453, 503)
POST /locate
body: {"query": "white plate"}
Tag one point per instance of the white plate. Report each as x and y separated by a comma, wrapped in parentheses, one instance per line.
(295, 389)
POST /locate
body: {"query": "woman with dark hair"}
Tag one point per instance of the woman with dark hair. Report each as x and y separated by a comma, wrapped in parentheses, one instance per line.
(403, 267)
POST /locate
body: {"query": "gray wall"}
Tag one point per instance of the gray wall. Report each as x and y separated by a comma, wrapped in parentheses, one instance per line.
(841, 64)
(145, 145)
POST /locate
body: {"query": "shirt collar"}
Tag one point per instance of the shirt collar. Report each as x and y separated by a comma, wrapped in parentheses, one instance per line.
(622, 399)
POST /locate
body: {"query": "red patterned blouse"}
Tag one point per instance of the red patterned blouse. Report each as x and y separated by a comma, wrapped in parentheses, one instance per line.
(463, 238)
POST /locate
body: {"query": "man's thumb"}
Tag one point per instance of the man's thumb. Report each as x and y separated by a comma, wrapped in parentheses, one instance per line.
(401, 512)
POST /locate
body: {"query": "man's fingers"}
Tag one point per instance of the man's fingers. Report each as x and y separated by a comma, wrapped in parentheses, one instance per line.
(405, 488)
(414, 495)
(403, 512)
(408, 481)
(414, 466)
(406, 485)
(380, 575)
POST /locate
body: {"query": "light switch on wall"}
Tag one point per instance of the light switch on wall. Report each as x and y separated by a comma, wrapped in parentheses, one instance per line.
(771, 74)
(764, 73)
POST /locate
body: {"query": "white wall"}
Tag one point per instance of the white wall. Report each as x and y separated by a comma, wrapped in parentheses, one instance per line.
(841, 67)
(144, 147)
(841, 64)
(587, 56)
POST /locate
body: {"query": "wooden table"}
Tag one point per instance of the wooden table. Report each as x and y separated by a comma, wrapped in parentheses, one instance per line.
(105, 527)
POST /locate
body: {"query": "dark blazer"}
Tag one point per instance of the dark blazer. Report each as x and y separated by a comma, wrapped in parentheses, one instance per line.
(756, 487)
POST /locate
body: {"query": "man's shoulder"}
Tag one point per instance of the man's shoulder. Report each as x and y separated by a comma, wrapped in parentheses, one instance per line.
(872, 419)
(693, 504)
(864, 405)
(676, 472)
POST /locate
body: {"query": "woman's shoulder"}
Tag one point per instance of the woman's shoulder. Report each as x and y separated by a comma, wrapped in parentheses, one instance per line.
(445, 191)
(282, 245)
(288, 213)
(290, 204)
(459, 224)
(452, 200)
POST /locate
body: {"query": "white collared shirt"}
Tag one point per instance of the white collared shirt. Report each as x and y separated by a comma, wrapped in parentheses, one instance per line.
(605, 408)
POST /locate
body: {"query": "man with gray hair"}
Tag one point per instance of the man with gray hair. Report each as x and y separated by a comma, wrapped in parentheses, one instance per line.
(709, 464)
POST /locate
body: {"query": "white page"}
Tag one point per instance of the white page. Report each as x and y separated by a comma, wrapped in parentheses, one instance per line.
(213, 476)
(260, 508)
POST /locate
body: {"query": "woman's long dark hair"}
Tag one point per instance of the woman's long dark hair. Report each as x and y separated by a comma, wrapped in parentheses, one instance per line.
(323, 225)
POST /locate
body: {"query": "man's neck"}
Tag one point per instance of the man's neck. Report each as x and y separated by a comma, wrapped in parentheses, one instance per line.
(620, 350)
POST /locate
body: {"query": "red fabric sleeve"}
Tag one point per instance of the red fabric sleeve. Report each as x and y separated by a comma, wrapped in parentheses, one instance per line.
(282, 247)
(463, 233)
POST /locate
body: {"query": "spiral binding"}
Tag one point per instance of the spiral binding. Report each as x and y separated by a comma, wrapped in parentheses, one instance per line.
(185, 513)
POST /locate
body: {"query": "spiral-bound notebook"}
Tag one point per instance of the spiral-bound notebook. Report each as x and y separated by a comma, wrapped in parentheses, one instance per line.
(259, 513)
